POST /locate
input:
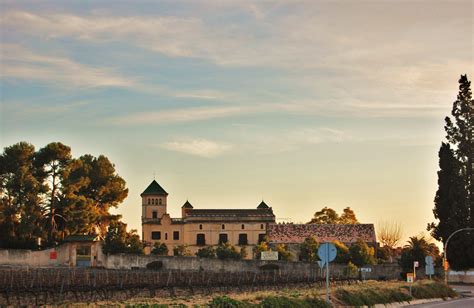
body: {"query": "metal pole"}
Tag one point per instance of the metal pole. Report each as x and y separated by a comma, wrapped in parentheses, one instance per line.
(445, 250)
(327, 274)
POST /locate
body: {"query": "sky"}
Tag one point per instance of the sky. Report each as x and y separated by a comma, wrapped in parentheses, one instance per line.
(304, 104)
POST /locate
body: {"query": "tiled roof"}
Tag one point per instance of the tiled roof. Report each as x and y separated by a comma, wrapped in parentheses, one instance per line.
(154, 189)
(296, 233)
(262, 205)
(230, 212)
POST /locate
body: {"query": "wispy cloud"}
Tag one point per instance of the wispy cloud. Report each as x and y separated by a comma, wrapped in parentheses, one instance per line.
(198, 147)
(20, 63)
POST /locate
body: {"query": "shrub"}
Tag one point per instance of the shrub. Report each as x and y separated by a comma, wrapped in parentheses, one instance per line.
(351, 270)
(226, 302)
(262, 246)
(155, 265)
(361, 254)
(285, 302)
(309, 249)
(227, 251)
(283, 253)
(243, 252)
(181, 251)
(342, 256)
(159, 249)
(206, 252)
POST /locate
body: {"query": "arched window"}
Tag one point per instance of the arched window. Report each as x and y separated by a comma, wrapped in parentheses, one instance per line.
(243, 226)
(200, 227)
(223, 227)
(148, 199)
(152, 201)
(159, 201)
(261, 226)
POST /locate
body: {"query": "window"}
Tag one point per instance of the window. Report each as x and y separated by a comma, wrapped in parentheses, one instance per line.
(156, 235)
(159, 201)
(148, 200)
(223, 227)
(223, 238)
(243, 226)
(176, 235)
(200, 239)
(261, 238)
(243, 239)
(200, 227)
(152, 201)
(166, 236)
(154, 215)
(261, 226)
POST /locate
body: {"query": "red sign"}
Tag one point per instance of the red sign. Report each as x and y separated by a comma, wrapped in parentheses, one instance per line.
(53, 255)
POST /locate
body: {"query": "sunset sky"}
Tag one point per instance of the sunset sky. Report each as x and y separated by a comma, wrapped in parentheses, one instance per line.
(305, 104)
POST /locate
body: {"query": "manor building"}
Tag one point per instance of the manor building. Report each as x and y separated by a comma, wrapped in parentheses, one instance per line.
(201, 227)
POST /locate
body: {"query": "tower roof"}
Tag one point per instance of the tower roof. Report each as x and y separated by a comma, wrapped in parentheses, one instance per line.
(262, 205)
(154, 189)
(187, 205)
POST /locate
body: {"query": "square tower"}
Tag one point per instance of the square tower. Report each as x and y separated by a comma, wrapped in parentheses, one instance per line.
(154, 200)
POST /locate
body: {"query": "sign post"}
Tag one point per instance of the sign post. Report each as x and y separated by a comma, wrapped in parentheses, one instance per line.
(327, 252)
(410, 278)
(415, 265)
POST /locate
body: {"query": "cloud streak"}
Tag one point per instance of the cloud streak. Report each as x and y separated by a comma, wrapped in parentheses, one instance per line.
(20, 63)
(198, 147)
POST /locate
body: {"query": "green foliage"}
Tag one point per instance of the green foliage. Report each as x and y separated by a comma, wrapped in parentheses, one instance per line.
(243, 252)
(118, 240)
(383, 254)
(283, 253)
(49, 194)
(262, 246)
(159, 249)
(285, 302)
(416, 250)
(361, 254)
(454, 201)
(226, 302)
(309, 249)
(351, 270)
(181, 251)
(206, 252)
(227, 251)
(343, 255)
(329, 216)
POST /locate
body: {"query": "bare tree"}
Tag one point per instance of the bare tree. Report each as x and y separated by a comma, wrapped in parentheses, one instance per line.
(389, 233)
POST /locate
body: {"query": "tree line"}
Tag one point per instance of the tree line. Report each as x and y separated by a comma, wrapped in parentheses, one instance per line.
(48, 194)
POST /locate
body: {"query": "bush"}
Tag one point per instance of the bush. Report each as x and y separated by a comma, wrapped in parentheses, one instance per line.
(181, 251)
(351, 270)
(283, 253)
(206, 252)
(262, 246)
(361, 254)
(226, 302)
(155, 265)
(159, 249)
(342, 256)
(309, 249)
(285, 302)
(227, 251)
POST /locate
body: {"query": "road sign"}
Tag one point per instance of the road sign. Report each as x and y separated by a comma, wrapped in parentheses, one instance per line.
(429, 267)
(429, 260)
(327, 252)
(269, 255)
(366, 269)
(410, 277)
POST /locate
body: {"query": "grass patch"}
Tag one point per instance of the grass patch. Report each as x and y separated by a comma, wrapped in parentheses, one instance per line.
(383, 293)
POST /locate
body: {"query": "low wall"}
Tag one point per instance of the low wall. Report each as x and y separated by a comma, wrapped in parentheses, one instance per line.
(35, 258)
(461, 276)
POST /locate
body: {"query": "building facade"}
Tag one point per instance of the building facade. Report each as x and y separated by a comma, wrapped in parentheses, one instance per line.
(198, 228)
